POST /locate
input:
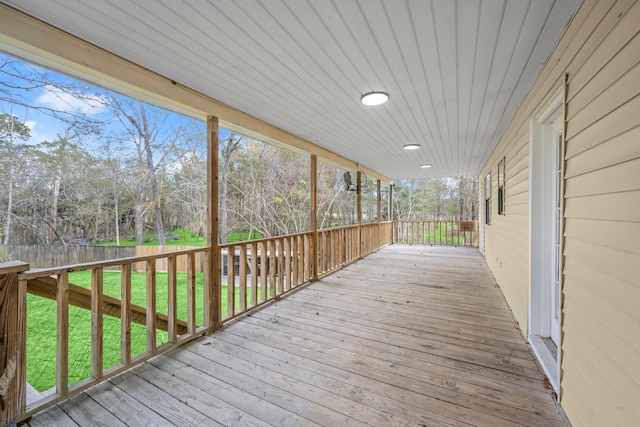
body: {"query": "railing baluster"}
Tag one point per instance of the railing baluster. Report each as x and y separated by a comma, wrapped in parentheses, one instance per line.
(172, 303)
(125, 314)
(264, 267)
(62, 324)
(97, 288)
(272, 267)
(295, 268)
(151, 306)
(281, 266)
(231, 281)
(191, 294)
(287, 263)
(304, 254)
(242, 259)
(254, 275)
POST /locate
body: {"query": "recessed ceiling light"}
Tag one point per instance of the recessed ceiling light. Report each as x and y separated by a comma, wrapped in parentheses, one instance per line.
(411, 146)
(374, 98)
(427, 166)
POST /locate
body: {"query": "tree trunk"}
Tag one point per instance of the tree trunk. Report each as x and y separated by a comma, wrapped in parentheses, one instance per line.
(153, 179)
(139, 220)
(53, 221)
(116, 213)
(7, 224)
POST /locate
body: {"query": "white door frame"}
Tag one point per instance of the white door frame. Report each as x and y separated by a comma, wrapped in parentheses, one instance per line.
(544, 256)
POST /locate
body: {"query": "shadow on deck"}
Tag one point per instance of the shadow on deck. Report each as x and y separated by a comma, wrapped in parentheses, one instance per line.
(411, 335)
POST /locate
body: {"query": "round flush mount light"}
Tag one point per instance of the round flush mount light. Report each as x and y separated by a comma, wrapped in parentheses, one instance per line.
(425, 166)
(411, 146)
(374, 98)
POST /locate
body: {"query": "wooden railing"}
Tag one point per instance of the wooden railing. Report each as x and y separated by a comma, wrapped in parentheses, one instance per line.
(450, 233)
(255, 272)
(56, 284)
(336, 248)
(238, 278)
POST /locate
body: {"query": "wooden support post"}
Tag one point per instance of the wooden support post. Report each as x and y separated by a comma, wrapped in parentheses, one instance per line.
(12, 342)
(212, 288)
(390, 210)
(359, 213)
(378, 237)
(314, 254)
(62, 326)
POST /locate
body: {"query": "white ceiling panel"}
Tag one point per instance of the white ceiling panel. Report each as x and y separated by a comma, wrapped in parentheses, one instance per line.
(456, 70)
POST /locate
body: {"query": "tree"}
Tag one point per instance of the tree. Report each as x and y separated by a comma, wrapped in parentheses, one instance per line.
(155, 144)
(11, 130)
(227, 147)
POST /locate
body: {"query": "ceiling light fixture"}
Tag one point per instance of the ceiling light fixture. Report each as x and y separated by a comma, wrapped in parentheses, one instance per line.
(374, 98)
(426, 166)
(411, 146)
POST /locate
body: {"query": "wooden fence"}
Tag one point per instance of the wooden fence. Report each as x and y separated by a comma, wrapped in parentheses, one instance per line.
(45, 256)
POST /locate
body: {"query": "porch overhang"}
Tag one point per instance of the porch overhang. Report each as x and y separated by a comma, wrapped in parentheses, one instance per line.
(293, 72)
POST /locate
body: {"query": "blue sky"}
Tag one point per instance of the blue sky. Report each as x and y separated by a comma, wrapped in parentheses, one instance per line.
(45, 127)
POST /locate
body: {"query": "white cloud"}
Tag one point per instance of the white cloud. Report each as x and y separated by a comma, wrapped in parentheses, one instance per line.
(31, 124)
(58, 100)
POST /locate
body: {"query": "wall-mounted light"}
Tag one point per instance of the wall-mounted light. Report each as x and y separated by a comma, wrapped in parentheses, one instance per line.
(374, 98)
(426, 166)
(411, 146)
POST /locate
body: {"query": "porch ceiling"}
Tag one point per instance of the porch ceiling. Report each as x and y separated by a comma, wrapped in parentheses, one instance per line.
(456, 71)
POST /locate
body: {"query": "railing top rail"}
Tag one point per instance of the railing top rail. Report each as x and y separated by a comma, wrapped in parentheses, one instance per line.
(245, 242)
(338, 228)
(32, 274)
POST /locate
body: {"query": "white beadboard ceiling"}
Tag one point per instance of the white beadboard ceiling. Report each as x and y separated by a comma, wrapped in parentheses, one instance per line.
(456, 70)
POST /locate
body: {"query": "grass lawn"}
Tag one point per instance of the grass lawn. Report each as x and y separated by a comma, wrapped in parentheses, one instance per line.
(41, 326)
(185, 238)
(440, 235)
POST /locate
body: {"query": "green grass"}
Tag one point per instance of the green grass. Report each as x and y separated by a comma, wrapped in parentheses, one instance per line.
(41, 326)
(439, 235)
(184, 238)
(177, 237)
(243, 237)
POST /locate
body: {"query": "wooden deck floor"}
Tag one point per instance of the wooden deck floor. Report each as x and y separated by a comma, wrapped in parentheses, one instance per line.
(409, 336)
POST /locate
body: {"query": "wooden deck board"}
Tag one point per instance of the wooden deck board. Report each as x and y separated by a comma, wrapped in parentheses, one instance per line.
(411, 335)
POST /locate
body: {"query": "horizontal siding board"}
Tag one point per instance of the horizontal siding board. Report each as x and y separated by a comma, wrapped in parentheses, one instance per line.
(516, 199)
(515, 209)
(622, 236)
(617, 264)
(617, 53)
(520, 189)
(617, 94)
(614, 179)
(612, 207)
(617, 150)
(517, 177)
(620, 297)
(614, 400)
(621, 120)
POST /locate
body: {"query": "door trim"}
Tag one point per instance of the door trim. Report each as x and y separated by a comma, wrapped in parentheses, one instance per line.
(542, 139)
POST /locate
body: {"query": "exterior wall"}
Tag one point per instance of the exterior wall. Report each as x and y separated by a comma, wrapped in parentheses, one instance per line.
(600, 380)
